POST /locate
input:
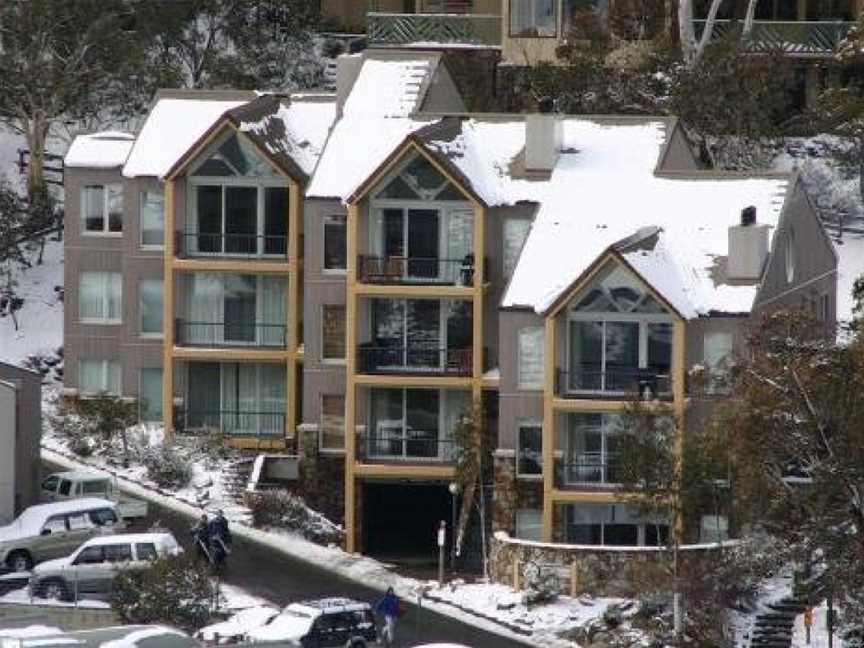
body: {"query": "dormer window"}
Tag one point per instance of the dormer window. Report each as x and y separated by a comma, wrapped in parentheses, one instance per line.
(420, 180)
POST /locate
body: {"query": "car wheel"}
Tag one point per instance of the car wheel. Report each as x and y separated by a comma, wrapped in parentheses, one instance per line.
(55, 590)
(357, 644)
(19, 561)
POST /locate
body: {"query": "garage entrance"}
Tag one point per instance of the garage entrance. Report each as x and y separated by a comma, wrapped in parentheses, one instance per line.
(400, 521)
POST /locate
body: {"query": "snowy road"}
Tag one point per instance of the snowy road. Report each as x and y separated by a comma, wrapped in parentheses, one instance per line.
(269, 574)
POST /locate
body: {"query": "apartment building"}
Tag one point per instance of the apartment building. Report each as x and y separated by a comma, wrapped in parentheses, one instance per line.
(349, 277)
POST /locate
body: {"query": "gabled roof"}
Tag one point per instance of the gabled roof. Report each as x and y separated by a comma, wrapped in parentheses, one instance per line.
(105, 150)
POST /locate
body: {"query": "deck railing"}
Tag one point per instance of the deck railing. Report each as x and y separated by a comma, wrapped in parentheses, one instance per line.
(395, 29)
(235, 423)
(586, 470)
(586, 383)
(245, 246)
(793, 37)
(229, 334)
(414, 360)
(405, 446)
(416, 270)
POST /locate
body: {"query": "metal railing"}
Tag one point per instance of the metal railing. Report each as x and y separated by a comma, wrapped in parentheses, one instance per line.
(646, 383)
(389, 360)
(235, 423)
(794, 37)
(588, 469)
(397, 445)
(416, 270)
(396, 29)
(229, 334)
(247, 246)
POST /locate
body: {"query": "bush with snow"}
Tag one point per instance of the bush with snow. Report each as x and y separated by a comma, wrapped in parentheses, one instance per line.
(284, 510)
(166, 465)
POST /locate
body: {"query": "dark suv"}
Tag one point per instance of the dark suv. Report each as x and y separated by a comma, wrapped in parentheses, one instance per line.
(321, 624)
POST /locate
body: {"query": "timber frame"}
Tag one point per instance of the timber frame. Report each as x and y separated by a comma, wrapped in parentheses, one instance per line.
(290, 269)
(355, 469)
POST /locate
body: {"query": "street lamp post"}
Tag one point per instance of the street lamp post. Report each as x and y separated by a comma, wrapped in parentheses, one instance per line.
(454, 491)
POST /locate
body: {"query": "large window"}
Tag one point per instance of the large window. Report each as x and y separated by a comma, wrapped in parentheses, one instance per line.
(99, 376)
(99, 297)
(531, 355)
(530, 459)
(332, 434)
(718, 358)
(591, 449)
(529, 524)
(239, 204)
(333, 332)
(515, 232)
(613, 525)
(152, 207)
(334, 243)
(102, 209)
(150, 304)
(620, 339)
(533, 18)
(150, 395)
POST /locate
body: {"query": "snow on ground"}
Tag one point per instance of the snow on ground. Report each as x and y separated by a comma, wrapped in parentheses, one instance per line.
(818, 632)
(29, 631)
(22, 596)
(40, 320)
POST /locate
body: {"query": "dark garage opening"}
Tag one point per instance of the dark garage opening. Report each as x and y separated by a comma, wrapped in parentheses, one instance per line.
(400, 521)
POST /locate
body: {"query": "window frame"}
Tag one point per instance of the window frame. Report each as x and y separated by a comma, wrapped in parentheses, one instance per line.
(325, 222)
(520, 384)
(141, 371)
(324, 358)
(556, 8)
(105, 277)
(105, 378)
(150, 246)
(324, 448)
(105, 231)
(521, 512)
(523, 425)
(154, 335)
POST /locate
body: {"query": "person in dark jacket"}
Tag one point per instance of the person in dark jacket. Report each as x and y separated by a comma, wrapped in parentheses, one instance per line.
(220, 537)
(201, 538)
(388, 607)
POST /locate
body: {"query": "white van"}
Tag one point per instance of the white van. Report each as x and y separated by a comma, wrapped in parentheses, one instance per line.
(48, 531)
(78, 483)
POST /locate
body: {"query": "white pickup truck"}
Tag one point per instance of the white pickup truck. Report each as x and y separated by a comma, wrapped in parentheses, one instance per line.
(77, 484)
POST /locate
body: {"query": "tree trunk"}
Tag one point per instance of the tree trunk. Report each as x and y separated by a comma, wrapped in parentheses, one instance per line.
(36, 130)
(748, 18)
(690, 48)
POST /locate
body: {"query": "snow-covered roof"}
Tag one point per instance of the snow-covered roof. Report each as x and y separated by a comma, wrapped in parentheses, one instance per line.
(105, 150)
(604, 188)
(294, 130)
(31, 520)
(172, 128)
(374, 120)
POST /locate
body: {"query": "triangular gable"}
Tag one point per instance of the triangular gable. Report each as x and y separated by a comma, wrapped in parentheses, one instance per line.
(610, 255)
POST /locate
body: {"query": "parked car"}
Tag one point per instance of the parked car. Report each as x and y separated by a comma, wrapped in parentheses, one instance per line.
(90, 570)
(77, 484)
(47, 531)
(321, 624)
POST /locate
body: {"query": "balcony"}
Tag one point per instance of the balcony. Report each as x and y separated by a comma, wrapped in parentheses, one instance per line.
(395, 29)
(416, 270)
(587, 470)
(648, 384)
(398, 445)
(415, 360)
(227, 245)
(229, 334)
(234, 423)
(795, 38)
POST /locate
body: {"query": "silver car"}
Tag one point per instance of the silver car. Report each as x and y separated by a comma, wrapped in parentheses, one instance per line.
(49, 531)
(90, 571)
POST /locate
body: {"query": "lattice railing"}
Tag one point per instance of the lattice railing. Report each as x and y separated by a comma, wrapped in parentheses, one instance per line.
(403, 29)
(799, 38)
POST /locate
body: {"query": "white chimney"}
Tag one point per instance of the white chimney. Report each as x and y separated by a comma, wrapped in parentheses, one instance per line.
(748, 248)
(544, 132)
(347, 69)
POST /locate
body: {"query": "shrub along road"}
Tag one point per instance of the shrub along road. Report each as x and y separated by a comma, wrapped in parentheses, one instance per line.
(272, 575)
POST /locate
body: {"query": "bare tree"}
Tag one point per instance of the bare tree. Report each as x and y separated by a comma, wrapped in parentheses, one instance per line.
(693, 48)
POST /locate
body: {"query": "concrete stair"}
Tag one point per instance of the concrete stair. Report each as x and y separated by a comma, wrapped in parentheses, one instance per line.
(235, 477)
(774, 624)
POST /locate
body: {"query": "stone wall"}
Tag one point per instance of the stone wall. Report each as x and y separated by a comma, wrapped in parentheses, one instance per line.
(597, 571)
(322, 476)
(511, 493)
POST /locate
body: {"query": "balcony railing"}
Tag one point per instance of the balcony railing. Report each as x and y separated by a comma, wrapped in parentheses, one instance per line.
(796, 38)
(414, 360)
(416, 270)
(245, 246)
(229, 334)
(395, 29)
(235, 423)
(397, 445)
(587, 383)
(587, 470)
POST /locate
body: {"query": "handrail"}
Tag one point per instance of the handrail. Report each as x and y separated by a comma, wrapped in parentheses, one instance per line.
(230, 334)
